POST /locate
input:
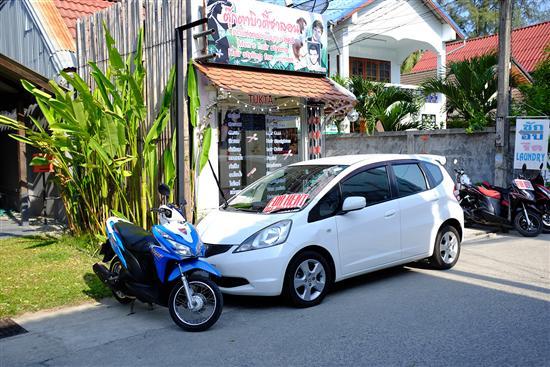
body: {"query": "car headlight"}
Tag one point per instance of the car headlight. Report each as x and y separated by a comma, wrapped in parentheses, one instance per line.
(273, 235)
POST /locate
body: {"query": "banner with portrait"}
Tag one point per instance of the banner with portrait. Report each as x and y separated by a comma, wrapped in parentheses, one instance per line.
(257, 34)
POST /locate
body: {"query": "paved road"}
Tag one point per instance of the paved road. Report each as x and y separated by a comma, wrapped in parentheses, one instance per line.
(492, 309)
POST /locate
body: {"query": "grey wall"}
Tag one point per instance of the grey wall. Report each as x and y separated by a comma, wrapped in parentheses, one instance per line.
(474, 152)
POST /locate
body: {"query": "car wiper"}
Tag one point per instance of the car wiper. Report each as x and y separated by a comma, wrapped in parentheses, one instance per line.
(284, 209)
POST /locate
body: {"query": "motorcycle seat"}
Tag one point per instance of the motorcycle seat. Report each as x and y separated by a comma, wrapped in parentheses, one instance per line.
(490, 193)
(135, 238)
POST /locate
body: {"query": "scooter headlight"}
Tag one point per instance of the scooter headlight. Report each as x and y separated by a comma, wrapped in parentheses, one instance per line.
(528, 194)
(178, 248)
(273, 235)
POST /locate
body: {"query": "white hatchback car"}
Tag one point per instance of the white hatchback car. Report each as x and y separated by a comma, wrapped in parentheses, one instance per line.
(309, 224)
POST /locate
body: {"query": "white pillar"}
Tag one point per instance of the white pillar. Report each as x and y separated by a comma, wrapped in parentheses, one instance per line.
(343, 43)
(441, 71)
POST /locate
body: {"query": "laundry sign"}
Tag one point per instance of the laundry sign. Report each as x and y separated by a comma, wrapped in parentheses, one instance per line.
(531, 143)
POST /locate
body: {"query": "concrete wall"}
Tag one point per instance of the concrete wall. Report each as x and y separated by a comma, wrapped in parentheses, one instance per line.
(474, 152)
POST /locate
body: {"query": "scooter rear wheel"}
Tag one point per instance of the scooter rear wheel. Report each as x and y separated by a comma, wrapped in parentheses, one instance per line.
(523, 227)
(120, 296)
(208, 304)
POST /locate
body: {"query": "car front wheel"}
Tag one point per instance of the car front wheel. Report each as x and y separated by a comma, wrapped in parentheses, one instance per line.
(308, 279)
(446, 248)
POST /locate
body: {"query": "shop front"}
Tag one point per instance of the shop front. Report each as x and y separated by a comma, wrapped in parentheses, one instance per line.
(266, 102)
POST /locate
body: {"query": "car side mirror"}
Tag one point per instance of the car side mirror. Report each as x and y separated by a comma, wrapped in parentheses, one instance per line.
(164, 190)
(353, 203)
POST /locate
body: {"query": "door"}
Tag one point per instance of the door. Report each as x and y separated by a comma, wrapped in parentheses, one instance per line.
(369, 237)
(418, 207)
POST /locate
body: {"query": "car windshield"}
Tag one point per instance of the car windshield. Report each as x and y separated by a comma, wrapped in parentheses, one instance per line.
(289, 188)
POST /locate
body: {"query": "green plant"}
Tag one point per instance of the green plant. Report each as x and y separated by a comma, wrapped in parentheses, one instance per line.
(470, 87)
(104, 158)
(388, 105)
(536, 96)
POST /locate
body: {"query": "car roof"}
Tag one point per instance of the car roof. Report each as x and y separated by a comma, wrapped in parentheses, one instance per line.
(363, 159)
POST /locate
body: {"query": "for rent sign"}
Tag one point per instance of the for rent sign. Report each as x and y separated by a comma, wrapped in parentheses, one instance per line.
(253, 33)
(531, 143)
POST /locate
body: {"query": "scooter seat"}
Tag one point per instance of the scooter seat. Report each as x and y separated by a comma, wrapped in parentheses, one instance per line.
(135, 238)
(490, 193)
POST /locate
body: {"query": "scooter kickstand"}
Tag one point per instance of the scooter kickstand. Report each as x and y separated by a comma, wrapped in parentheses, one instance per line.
(132, 307)
(151, 306)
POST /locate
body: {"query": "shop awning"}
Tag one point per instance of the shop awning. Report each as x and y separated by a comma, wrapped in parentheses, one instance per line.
(247, 81)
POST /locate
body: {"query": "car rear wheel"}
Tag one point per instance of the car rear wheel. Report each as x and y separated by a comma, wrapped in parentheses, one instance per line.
(308, 279)
(446, 248)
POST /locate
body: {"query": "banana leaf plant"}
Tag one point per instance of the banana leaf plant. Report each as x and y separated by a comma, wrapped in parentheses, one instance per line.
(106, 161)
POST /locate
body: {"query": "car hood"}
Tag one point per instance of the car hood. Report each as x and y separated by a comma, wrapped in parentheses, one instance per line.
(222, 227)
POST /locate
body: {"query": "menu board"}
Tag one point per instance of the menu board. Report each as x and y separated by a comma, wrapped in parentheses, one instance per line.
(253, 145)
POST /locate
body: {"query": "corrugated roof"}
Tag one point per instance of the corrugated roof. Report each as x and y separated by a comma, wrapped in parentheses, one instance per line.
(277, 84)
(528, 44)
(71, 10)
(54, 26)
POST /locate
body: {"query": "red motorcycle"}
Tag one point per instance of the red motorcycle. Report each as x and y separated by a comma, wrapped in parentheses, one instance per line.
(542, 195)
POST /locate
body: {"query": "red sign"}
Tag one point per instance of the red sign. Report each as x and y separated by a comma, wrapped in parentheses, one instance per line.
(255, 99)
(523, 184)
(286, 201)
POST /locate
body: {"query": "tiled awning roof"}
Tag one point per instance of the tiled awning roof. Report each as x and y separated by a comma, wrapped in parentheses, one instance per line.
(276, 83)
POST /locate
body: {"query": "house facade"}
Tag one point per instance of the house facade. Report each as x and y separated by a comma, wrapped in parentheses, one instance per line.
(374, 38)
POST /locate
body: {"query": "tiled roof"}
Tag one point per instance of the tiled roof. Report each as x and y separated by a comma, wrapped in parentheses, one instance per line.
(275, 83)
(71, 10)
(528, 46)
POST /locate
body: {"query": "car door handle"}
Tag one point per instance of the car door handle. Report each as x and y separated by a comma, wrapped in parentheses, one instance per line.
(435, 198)
(390, 213)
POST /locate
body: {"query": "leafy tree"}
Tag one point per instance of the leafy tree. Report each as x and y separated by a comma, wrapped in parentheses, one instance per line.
(536, 96)
(104, 158)
(470, 87)
(481, 17)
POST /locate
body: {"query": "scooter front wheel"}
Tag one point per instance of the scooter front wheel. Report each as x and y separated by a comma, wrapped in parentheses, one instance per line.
(546, 219)
(531, 228)
(206, 306)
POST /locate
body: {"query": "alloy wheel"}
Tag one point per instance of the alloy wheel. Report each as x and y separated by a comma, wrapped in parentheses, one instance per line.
(448, 247)
(309, 279)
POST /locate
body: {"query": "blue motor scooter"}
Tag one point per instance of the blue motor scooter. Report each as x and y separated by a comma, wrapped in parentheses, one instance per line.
(162, 267)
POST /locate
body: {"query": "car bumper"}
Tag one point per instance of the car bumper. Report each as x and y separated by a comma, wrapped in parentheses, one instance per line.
(262, 269)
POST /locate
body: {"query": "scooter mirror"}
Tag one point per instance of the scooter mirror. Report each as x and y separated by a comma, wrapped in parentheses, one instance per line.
(541, 165)
(164, 190)
(455, 161)
(523, 168)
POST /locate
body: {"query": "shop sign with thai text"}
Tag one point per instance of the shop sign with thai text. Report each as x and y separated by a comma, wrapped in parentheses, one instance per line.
(531, 143)
(257, 34)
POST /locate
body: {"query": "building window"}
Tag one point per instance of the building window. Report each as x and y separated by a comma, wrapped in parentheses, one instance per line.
(375, 70)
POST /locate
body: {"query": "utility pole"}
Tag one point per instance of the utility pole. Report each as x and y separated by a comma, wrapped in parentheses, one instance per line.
(502, 141)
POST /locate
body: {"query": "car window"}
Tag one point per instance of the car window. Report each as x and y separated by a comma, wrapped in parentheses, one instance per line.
(410, 179)
(372, 184)
(328, 206)
(289, 188)
(435, 172)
